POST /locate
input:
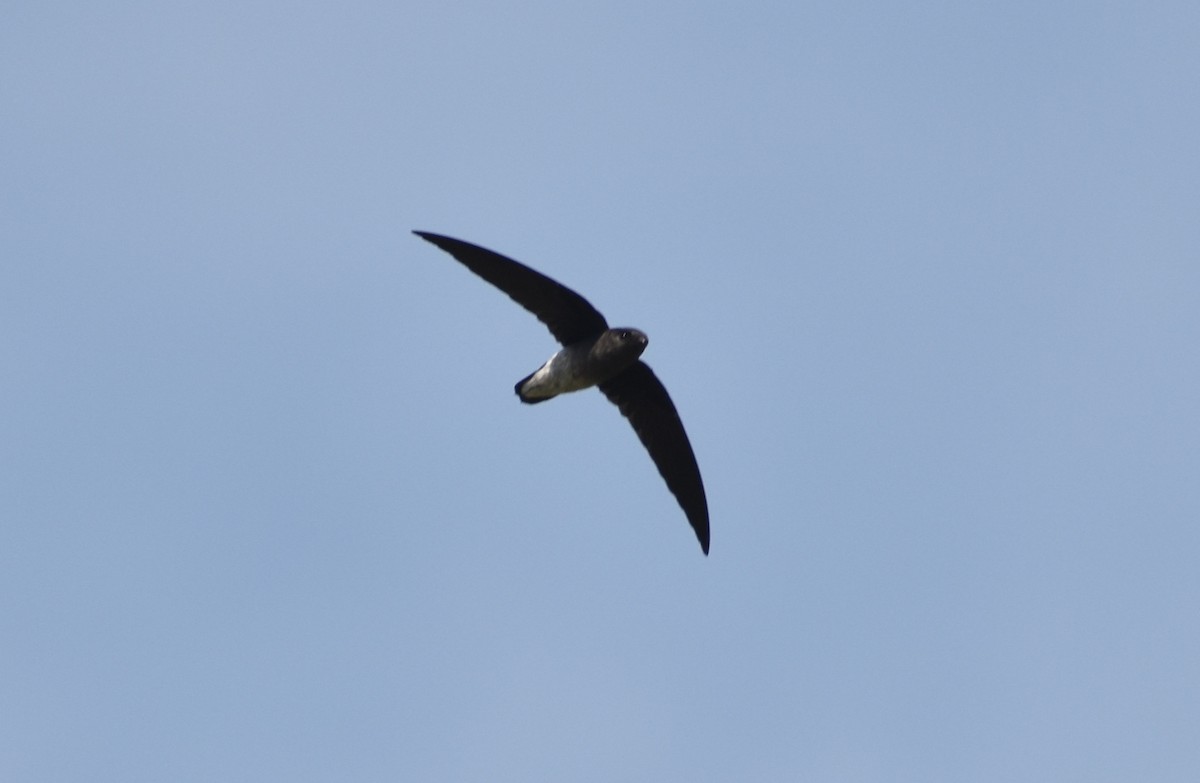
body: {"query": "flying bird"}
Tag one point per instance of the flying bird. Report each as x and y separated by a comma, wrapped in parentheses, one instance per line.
(595, 355)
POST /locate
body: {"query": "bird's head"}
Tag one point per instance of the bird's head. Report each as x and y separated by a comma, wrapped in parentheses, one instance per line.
(620, 347)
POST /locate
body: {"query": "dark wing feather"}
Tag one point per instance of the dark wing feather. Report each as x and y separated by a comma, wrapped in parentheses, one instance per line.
(644, 401)
(570, 317)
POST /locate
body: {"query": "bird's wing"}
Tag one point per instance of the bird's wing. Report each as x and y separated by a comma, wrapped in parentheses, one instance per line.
(570, 317)
(644, 401)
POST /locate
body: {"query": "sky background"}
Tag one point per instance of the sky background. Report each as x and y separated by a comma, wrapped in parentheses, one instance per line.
(923, 280)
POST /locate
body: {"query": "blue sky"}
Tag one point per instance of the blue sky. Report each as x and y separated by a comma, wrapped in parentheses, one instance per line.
(922, 280)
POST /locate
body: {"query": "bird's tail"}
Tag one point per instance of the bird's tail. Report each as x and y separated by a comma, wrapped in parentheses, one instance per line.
(524, 397)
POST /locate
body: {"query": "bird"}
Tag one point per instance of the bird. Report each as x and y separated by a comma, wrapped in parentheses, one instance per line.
(593, 354)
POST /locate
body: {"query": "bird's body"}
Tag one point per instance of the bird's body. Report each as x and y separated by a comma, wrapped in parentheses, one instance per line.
(583, 365)
(595, 355)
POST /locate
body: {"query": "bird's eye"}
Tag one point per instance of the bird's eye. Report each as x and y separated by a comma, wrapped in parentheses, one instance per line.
(625, 335)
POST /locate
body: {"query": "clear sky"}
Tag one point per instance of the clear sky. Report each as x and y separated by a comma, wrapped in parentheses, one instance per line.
(922, 278)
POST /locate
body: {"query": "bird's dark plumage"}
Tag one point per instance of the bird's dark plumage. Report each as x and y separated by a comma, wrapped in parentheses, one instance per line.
(643, 400)
(589, 353)
(571, 318)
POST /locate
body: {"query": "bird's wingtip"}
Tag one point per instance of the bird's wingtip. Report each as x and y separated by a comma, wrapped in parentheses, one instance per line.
(440, 240)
